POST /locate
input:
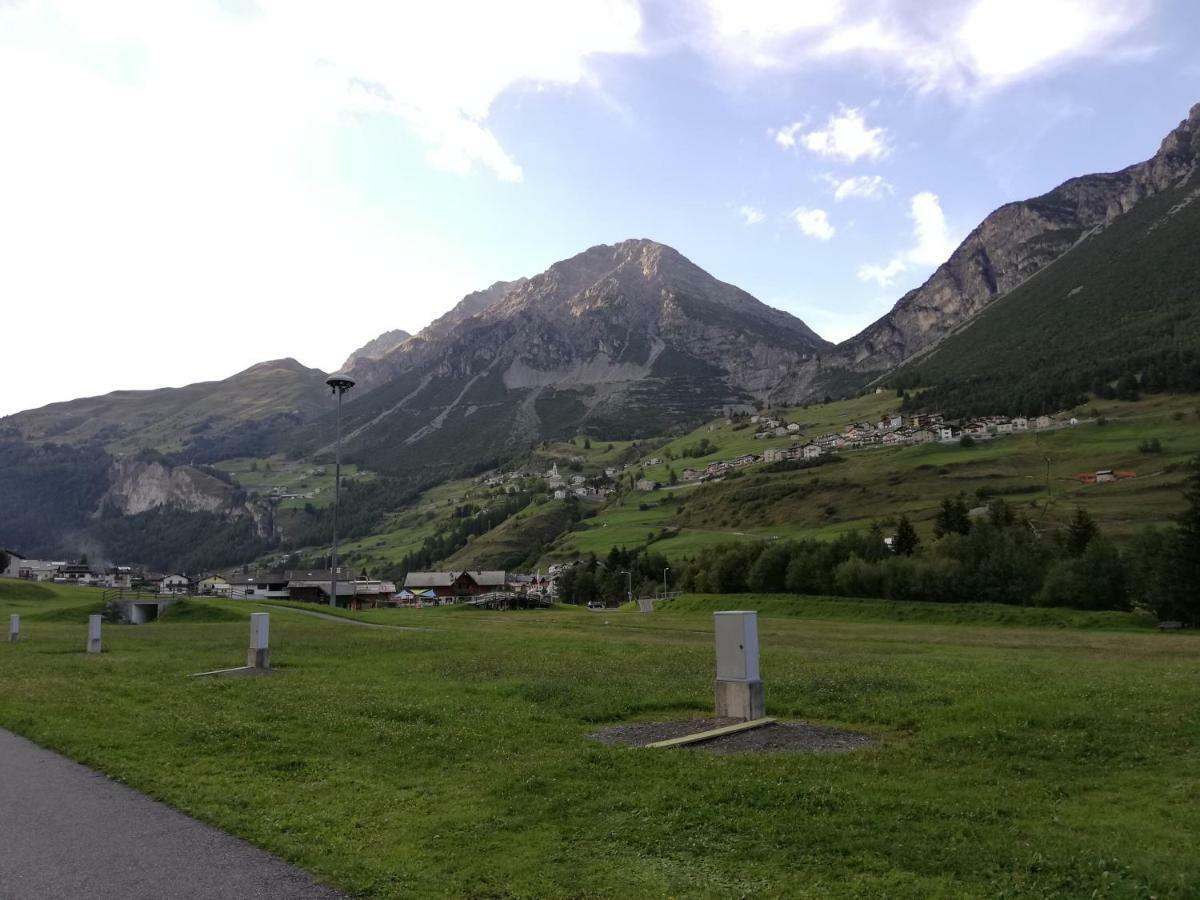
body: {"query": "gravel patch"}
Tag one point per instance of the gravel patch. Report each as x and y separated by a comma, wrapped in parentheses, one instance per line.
(778, 737)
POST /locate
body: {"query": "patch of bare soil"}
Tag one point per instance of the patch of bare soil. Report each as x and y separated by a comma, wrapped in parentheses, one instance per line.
(778, 737)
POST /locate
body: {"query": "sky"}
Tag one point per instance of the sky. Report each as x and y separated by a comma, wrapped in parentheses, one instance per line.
(188, 187)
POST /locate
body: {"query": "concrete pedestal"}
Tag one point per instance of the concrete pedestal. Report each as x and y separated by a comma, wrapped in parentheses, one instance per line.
(259, 656)
(740, 699)
(14, 628)
(93, 644)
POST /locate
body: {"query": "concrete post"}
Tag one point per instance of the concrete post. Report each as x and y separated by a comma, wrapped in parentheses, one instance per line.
(93, 643)
(259, 655)
(14, 628)
(738, 689)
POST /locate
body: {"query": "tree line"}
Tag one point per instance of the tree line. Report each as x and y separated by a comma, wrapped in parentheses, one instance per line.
(998, 558)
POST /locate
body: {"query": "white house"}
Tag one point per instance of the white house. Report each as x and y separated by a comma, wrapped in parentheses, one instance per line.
(215, 585)
(560, 494)
(811, 451)
(1020, 423)
(15, 560)
(1043, 422)
(774, 454)
(175, 584)
(646, 484)
(947, 432)
(793, 428)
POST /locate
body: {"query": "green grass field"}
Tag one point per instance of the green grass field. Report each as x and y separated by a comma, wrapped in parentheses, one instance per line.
(1011, 760)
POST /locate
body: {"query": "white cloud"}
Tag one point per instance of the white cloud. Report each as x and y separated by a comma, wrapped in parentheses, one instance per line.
(173, 168)
(867, 187)
(751, 215)
(885, 275)
(786, 136)
(964, 49)
(845, 137)
(933, 242)
(813, 222)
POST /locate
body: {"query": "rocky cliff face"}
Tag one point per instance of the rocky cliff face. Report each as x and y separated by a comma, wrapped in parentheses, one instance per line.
(1009, 246)
(140, 485)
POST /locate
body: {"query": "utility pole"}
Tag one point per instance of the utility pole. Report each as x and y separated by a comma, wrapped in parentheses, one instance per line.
(338, 384)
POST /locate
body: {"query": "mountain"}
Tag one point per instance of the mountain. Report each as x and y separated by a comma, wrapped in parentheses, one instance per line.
(203, 422)
(373, 369)
(1007, 248)
(376, 348)
(1122, 306)
(628, 339)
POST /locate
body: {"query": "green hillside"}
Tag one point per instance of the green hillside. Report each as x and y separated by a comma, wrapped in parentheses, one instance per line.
(883, 483)
(1124, 302)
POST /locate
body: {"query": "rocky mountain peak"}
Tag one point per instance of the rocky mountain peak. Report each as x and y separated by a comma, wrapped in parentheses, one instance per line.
(376, 348)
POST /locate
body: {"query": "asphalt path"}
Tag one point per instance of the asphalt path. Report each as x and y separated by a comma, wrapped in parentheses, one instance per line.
(67, 832)
(343, 620)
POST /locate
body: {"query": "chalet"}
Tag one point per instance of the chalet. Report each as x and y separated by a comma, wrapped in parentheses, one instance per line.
(1020, 423)
(560, 493)
(445, 585)
(924, 436)
(924, 420)
(717, 469)
(793, 428)
(1043, 422)
(263, 585)
(610, 472)
(76, 573)
(975, 428)
(214, 585)
(811, 451)
(1005, 427)
(38, 569)
(577, 479)
(947, 432)
(894, 438)
(646, 484)
(774, 455)
(780, 431)
(654, 461)
(746, 459)
(691, 474)
(118, 577)
(175, 584)
(353, 592)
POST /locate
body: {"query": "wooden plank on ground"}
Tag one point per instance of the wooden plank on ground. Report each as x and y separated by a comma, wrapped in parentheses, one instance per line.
(713, 733)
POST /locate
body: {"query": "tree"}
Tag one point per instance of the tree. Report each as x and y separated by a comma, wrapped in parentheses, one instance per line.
(952, 517)
(672, 477)
(1180, 598)
(3, 560)
(587, 443)
(1080, 532)
(906, 540)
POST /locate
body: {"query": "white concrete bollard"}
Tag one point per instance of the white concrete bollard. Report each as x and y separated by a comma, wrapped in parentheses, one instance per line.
(738, 689)
(259, 655)
(14, 628)
(93, 644)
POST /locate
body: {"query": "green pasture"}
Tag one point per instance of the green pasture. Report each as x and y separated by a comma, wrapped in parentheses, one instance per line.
(1010, 760)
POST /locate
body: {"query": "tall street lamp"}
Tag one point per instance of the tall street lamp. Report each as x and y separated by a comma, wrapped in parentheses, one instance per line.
(665, 571)
(628, 585)
(338, 384)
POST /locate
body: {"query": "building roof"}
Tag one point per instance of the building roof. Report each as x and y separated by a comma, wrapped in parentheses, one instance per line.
(428, 579)
(488, 578)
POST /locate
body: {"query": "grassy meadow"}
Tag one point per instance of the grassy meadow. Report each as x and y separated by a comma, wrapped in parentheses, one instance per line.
(1019, 753)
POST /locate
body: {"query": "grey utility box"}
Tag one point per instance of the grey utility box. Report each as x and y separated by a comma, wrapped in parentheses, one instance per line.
(738, 689)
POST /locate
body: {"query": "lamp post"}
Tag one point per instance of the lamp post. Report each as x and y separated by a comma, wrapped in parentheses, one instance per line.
(628, 586)
(665, 571)
(338, 384)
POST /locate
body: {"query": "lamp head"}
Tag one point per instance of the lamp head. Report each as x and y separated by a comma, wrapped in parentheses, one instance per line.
(339, 383)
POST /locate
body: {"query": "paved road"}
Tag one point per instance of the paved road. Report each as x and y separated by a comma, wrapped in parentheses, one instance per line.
(68, 832)
(342, 620)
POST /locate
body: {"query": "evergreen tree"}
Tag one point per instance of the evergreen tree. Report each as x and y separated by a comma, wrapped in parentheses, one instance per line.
(906, 540)
(1182, 600)
(1081, 532)
(952, 517)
